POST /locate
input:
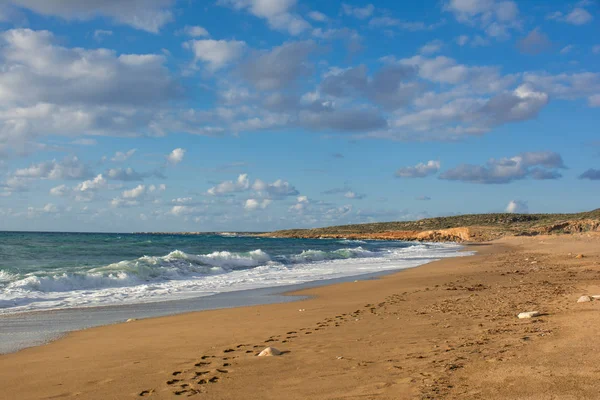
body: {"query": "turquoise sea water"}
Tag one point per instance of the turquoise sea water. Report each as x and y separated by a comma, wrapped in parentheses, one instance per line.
(40, 271)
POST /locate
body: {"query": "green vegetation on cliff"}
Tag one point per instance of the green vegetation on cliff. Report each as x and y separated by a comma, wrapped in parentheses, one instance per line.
(508, 223)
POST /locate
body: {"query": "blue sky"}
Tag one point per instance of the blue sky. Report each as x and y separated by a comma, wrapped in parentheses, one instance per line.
(182, 115)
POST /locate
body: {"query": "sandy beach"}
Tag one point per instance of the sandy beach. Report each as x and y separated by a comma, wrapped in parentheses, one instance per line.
(446, 330)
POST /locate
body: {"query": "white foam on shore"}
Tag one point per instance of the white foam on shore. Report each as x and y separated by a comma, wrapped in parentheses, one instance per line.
(179, 275)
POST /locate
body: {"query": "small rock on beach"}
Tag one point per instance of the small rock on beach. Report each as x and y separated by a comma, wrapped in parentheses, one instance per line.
(584, 299)
(269, 351)
(528, 314)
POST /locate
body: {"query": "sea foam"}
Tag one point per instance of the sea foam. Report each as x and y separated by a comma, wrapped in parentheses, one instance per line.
(180, 275)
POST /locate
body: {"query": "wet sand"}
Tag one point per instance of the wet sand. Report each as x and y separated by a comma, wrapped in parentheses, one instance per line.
(446, 330)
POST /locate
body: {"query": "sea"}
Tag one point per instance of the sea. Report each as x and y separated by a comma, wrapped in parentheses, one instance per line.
(50, 276)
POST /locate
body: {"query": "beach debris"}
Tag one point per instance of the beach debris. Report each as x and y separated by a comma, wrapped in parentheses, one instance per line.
(596, 296)
(528, 314)
(131, 320)
(340, 358)
(579, 256)
(269, 351)
(302, 310)
(584, 299)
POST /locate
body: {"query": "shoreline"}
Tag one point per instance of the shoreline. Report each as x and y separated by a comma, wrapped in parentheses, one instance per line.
(447, 329)
(22, 330)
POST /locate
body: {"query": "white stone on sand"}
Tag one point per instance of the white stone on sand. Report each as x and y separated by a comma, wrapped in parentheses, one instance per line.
(528, 314)
(269, 351)
(584, 299)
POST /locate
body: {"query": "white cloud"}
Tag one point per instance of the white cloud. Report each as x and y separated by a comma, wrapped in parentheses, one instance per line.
(302, 204)
(100, 34)
(535, 165)
(133, 197)
(182, 200)
(49, 89)
(318, 16)
(354, 196)
(421, 170)
(358, 12)
(565, 86)
(254, 204)
(69, 168)
(148, 15)
(279, 67)
(99, 182)
(496, 17)
(577, 16)
(181, 210)
(535, 42)
(517, 207)
(432, 47)
(241, 184)
(567, 49)
(135, 192)
(129, 174)
(216, 54)
(195, 31)
(462, 40)
(59, 191)
(277, 189)
(278, 13)
(123, 156)
(50, 208)
(446, 70)
(176, 156)
(411, 26)
(471, 116)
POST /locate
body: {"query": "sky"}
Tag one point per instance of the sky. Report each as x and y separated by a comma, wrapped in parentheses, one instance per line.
(255, 115)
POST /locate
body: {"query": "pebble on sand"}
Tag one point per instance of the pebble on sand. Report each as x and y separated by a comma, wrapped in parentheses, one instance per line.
(269, 351)
(528, 314)
(131, 320)
(584, 299)
(579, 256)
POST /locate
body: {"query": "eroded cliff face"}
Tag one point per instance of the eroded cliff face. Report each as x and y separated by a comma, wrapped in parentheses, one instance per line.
(470, 234)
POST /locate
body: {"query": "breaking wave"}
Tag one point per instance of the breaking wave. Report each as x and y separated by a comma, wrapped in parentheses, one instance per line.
(178, 275)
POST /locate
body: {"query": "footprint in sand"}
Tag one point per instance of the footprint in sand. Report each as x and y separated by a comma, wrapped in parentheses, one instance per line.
(202, 363)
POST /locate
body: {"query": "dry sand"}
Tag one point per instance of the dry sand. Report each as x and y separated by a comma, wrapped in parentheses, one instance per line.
(447, 330)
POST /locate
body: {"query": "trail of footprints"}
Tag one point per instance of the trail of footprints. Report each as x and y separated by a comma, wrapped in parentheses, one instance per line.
(211, 369)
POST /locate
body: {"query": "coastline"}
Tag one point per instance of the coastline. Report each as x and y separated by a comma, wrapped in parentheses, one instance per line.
(39, 327)
(427, 331)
